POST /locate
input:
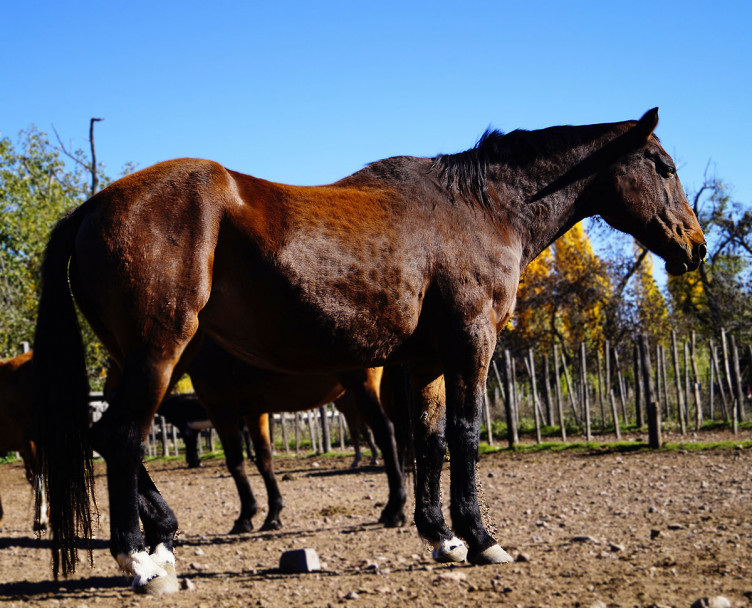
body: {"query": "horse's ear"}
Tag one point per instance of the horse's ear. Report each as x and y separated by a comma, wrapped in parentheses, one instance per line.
(645, 126)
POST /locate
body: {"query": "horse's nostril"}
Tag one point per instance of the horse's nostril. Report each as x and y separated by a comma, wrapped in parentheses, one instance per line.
(702, 251)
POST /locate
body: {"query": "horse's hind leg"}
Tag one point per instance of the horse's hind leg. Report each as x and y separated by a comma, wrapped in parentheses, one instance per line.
(118, 436)
(160, 523)
(259, 429)
(365, 388)
(227, 427)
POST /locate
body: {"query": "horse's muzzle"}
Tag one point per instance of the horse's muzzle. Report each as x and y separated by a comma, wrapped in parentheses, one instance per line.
(691, 262)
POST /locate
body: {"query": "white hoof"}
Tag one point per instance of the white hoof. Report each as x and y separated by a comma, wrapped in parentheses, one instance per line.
(492, 555)
(148, 576)
(452, 550)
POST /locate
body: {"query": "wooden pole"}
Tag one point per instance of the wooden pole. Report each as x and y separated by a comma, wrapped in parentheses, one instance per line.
(570, 390)
(719, 380)
(696, 378)
(325, 435)
(652, 408)
(512, 437)
(726, 366)
(547, 391)
(165, 441)
(534, 388)
(639, 383)
(738, 381)
(584, 388)
(600, 389)
(677, 380)
(557, 388)
(622, 390)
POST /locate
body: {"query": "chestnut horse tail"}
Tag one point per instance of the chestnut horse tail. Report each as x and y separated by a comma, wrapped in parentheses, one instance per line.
(61, 401)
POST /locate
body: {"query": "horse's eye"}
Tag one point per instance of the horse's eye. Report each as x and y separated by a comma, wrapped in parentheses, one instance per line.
(665, 169)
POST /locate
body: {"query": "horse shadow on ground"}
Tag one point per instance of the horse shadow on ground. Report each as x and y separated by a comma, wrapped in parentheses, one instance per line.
(92, 587)
(234, 539)
(30, 542)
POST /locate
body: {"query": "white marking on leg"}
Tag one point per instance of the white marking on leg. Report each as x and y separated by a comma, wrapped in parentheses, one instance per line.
(140, 566)
(161, 555)
(41, 509)
(452, 550)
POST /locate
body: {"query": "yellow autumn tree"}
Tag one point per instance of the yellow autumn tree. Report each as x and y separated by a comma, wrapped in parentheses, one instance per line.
(562, 295)
(652, 312)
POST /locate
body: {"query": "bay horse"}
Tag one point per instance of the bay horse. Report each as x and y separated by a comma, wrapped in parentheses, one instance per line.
(16, 425)
(232, 390)
(407, 260)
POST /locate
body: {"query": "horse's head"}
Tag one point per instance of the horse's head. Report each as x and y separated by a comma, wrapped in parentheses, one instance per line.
(641, 194)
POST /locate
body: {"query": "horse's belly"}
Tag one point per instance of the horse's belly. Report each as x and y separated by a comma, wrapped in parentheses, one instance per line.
(312, 332)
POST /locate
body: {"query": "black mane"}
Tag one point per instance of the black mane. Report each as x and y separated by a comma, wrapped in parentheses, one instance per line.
(465, 173)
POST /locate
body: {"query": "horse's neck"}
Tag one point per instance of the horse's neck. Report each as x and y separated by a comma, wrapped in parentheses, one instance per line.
(544, 204)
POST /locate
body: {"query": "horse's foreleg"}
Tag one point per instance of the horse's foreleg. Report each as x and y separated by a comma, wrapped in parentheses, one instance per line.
(363, 389)
(430, 449)
(465, 387)
(259, 429)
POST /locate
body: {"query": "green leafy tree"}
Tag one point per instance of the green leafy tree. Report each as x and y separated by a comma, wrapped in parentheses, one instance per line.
(718, 295)
(36, 188)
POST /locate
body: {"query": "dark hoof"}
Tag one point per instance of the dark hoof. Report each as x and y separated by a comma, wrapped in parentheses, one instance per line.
(194, 465)
(241, 526)
(355, 463)
(270, 525)
(39, 526)
(392, 519)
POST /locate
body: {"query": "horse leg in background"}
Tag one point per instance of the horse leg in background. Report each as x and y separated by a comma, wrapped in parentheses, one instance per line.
(364, 386)
(228, 429)
(371, 445)
(190, 439)
(259, 429)
(354, 428)
(119, 437)
(429, 442)
(33, 468)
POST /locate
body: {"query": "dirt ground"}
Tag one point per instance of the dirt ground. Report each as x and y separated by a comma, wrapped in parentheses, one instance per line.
(616, 529)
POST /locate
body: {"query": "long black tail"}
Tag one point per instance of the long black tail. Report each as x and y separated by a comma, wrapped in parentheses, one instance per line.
(61, 401)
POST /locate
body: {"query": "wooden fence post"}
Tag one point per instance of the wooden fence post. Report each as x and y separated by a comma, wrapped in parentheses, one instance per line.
(726, 366)
(639, 382)
(512, 437)
(738, 381)
(677, 380)
(547, 391)
(325, 436)
(652, 407)
(165, 441)
(533, 385)
(696, 377)
(570, 390)
(557, 388)
(622, 390)
(585, 398)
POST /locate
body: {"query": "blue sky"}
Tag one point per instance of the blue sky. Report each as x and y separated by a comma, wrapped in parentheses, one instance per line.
(308, 92)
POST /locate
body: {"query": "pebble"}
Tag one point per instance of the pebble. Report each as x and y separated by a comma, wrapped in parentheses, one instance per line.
(584, 539)
(187, 584)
